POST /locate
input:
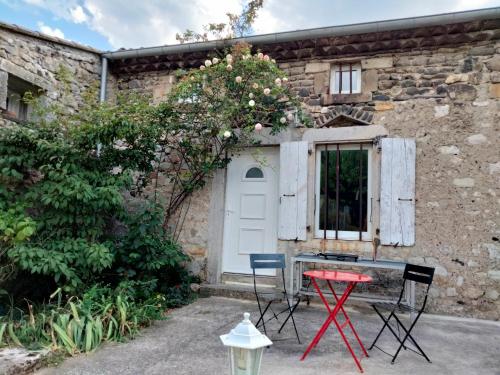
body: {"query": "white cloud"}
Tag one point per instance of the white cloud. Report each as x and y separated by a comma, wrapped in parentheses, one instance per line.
(50, 31)
(155, 22)
(474, 4)
(78, 14)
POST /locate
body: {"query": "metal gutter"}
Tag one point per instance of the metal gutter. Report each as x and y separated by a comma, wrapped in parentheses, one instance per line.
(322, 32)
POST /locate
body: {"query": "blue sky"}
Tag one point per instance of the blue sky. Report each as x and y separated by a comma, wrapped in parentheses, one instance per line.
(113, 24)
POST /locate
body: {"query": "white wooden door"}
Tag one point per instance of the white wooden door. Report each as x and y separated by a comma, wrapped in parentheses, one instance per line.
(251, 210)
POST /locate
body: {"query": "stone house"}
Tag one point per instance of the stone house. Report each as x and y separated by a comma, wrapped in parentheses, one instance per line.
(405, 147)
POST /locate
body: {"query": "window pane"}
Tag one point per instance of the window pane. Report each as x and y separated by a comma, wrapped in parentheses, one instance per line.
(345, 81)
(336, 85)
(254, 172)
(330, 211)
(355, 87)
(350, 195)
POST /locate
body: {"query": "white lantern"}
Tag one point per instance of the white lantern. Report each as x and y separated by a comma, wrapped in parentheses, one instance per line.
(246, 345)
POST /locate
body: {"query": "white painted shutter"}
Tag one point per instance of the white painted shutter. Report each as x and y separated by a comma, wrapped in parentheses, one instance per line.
(397, 192)
(293, 191)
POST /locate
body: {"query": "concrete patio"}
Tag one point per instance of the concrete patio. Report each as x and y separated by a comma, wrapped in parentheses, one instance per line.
(188, 343)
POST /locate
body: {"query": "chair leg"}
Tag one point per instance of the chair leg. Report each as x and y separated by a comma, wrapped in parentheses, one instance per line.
(260, 309)
(262, 313)
(290, 315)
(409, 336)
(386, 322)
(388, 326)
(289, 309)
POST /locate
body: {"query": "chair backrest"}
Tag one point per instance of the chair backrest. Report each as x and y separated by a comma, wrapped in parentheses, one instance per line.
(269, 261)
(275, 261)
(419, 274)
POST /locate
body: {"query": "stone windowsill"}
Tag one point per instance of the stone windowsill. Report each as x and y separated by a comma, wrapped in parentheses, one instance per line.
(9, 117)
(328, 99)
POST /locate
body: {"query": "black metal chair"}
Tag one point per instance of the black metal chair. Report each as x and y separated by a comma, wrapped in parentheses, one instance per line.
(419, 274)
(273, 261)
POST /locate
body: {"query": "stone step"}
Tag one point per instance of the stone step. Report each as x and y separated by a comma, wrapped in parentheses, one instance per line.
(239, 291)
(244, 279)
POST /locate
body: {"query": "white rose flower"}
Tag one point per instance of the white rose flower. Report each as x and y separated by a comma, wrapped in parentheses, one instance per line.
(251, 103)
(267, 91)
(290, 117)
(255, 86)
(277, 81)
(229, 68)
(260, 55)
(285, 79)
(229, 57)
(208, 63)
(251, 95)
(238, 79)
(282, 120)
(215, 60)
(258, 126)
(273, 61)
(227, 134)
(202, 67)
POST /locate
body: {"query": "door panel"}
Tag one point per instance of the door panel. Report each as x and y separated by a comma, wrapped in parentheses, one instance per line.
(251, 215)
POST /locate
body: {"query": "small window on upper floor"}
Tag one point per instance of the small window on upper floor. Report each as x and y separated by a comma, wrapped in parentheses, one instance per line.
(345, 78)
(17, 88)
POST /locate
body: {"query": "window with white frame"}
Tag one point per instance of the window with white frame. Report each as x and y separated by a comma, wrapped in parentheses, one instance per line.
(343, 191)
(345, 78)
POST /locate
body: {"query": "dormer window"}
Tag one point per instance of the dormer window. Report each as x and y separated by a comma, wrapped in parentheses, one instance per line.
(345, 78)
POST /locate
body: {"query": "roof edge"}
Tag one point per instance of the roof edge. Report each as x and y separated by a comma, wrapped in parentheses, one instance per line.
(38, 35)
(288, 36)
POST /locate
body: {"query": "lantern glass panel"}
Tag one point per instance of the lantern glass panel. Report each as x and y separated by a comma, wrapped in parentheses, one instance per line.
(245, 361)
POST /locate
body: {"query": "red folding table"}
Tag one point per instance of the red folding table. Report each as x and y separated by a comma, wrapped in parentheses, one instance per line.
(351, 279)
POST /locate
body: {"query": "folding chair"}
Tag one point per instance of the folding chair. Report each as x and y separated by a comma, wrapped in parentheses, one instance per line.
(419, 274)
(273, 261)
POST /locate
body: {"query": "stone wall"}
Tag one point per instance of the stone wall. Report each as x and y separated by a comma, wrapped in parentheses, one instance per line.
(37, 60)
(447, 99)
(154, 84)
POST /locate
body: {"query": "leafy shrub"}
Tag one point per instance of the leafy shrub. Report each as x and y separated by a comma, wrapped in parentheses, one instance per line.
(51, 171)
(146, 248)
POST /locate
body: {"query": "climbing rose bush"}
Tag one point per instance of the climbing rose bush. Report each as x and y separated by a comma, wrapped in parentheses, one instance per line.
(230, 102)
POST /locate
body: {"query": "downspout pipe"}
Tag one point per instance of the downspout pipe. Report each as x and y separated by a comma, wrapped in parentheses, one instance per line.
(102, 92)
(104, 79)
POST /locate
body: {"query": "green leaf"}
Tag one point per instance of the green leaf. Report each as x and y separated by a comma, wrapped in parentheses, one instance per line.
(69, 345)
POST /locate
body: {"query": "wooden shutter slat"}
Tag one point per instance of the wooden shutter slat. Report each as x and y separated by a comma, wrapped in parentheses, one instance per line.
(397, 192)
